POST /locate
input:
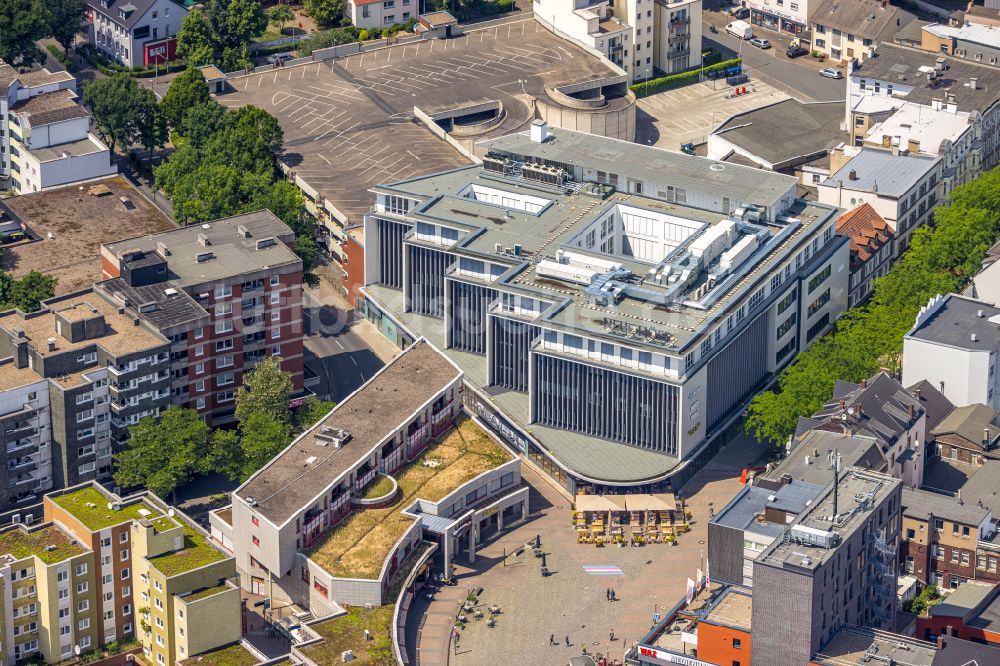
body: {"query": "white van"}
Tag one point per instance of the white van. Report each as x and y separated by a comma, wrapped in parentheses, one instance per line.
(740, 29)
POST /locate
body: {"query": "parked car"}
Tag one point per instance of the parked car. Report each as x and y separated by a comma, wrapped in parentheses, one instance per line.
(279, 58)
(742, 13)
(687, 148)
(760, 43)
(831, 73)
(796, 51)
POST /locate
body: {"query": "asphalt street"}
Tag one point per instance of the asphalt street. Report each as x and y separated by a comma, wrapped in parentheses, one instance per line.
(335, 351)
(798, 77)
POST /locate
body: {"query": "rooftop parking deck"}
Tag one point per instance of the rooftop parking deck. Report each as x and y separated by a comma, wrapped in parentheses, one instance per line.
(349, 124)
(358, 546)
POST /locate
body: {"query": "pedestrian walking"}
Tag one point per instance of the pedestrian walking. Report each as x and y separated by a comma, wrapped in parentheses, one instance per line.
(613, 597)
(611, 636)
(609, 594)
(552, 639)
(567, 641)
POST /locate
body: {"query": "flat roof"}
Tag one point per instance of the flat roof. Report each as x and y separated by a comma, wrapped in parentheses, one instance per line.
(78, 224)
(809, 460)
(48, 543)
(356, 112)
(860, 492)
(382, 405)
(690, 172)
(880, 171)
(88, 145)
(231, 253)
(964, 599)
(924, 505)
(927, 126)
(908, 66)
(786, 130)
(978, 33)
(90, 506)
(39, 77)
(12, 377)
(851, 644)
(744, 510)
(954, 320)
(166, 306)
(121, 335)
(733, 609)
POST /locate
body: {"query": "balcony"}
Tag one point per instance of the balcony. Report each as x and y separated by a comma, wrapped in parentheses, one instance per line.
(21, 445)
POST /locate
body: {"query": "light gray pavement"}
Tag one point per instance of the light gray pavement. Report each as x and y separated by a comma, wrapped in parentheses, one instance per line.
(571, 602)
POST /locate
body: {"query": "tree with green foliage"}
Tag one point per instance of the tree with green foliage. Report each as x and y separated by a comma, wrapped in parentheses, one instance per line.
(236, 22)
(22, 23)
(280, 15)
(196, 42)
(325, 12)
(262, 437)
(164, 453)
(310, 412)
(941, 259)
(201, 122)
(120, 108)
(66, 21)
(187, 91)
(27, 293)
(225, 455)
(266, 389)
(151, 122)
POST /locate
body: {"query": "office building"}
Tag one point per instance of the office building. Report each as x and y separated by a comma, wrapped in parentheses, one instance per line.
(299, 528)
(953, 345)
(642, 37)
(576, 279)
(834, 567)
(45, 138)
(135, 33)
(103, 569)
(225, 294)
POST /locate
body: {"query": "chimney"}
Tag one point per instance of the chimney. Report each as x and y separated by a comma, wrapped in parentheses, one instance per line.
(864, 383)
(52, 344)
(979, 313)
(842, 403)
(973, 82)
(539, 131)
(916, 393)
(972, 336)
(910, 410)
(986, 437)
(886, 140)
(853, 175)
(940, 641)
(913, 146)
(859, 410)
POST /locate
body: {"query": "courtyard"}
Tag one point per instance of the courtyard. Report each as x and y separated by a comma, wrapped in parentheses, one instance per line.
(572, 602)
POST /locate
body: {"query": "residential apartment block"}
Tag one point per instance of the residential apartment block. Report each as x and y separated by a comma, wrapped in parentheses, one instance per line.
(640, 36)
(953, 345)
(971, 41)
(380, 13)
(101, 569)
(903, 189)
(939, 90)
(45, 138)
(225, 294)
(293, 525)
(570, 268)
(845, 30)
(135, 33)
(871, 249)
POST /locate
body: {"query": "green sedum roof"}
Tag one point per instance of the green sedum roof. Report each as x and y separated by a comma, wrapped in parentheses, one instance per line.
(20, 543)
(99, 516)
(196, 553)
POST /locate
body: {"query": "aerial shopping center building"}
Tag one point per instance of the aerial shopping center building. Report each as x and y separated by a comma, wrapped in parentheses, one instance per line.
(613, 306)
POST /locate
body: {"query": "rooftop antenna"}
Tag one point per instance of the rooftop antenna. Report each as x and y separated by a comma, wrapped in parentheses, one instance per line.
(836, 482)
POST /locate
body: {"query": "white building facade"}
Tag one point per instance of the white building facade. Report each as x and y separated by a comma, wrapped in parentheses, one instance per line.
(135, 33)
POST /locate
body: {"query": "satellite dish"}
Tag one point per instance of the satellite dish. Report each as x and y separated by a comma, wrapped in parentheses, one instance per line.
(170, 512)
(850, 410)
(76, 650)
(843, 417)
(111, 506)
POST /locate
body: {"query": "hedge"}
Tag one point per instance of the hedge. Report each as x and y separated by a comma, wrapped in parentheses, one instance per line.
(57, 53)
(109, 68)
(680, 80)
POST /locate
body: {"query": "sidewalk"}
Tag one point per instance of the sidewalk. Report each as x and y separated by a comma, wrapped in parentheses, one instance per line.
(327, 293)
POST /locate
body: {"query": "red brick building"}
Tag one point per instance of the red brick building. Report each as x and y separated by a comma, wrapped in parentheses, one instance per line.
(226, 294)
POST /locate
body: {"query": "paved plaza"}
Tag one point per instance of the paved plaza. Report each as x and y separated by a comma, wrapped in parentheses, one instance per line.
(670, 118)
(349, 122)
(571, 603)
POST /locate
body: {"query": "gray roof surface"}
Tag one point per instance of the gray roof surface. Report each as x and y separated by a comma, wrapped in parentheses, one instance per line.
(969, 422)
(171, 309)
(649, 163)
(53, 107)
(976, 483)
(85, 146)
(31, 79)
(881, 171)
(871, 19)
(139, 9)
(855, 451)
(884, 409)
(894, 63)
(958, 652)
(741, 512)
(964, 599)
(924, 503)
(935, 404)
(787, 130)
(233, 255)
(375, 411)
(850, 644)
(956, 320)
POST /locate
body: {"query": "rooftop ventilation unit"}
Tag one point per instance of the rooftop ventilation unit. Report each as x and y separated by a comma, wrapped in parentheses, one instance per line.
(242, 231)
(329, 435)
(202, 257)
(162, 248)
(203, 240)
(266, 242)
(813, 537)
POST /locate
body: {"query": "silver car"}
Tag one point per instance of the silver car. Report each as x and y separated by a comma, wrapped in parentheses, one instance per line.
(831, 73)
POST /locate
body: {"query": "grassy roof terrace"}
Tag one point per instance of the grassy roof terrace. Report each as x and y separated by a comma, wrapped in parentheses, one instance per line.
(205, 592)
(196, 553)
(99, 516)
(231, 655)
(358, 546)
(20, 543)
(347, 632)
